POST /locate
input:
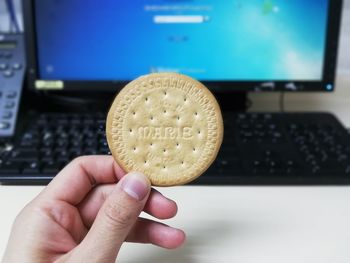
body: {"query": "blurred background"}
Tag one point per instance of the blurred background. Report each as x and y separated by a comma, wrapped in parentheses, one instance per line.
(269, 101)
(344, 57)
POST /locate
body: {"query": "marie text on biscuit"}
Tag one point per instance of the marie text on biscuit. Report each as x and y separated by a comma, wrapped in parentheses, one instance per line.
(165, 133)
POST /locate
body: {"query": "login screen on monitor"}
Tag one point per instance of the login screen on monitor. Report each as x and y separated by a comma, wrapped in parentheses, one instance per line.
(250, 40)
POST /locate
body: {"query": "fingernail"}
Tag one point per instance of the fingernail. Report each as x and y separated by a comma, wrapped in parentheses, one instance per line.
(136, 185)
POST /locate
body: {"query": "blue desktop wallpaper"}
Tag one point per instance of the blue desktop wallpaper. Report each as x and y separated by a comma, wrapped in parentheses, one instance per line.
(212, 40)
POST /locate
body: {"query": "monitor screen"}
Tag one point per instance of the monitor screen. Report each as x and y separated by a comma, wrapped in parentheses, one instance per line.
(212, 41)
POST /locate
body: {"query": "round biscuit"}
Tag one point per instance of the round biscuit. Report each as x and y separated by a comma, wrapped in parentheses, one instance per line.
(165, 125)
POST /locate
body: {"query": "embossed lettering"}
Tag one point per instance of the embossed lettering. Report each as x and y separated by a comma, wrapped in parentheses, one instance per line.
(157, 133)
(187, 133)
(165, 133)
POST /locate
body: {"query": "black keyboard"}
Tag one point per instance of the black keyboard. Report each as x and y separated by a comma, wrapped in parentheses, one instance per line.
(277, 148)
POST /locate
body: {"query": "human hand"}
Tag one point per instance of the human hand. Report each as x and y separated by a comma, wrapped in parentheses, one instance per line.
(84, 216)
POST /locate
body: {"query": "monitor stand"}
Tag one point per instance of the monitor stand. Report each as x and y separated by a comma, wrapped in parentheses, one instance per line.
(235, 101)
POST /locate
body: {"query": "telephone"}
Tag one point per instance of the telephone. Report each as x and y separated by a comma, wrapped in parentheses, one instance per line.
(12, 72)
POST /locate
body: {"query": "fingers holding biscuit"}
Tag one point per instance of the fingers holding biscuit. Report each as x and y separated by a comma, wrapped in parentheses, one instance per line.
(151, 232)
(82, 175)
(160, 206)
(157, 205)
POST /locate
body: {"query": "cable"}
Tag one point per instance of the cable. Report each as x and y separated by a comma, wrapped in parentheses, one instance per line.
(70, 99)
(248, 103)
(281, 101)
(88, 102)
(9, 17)
(12, 15)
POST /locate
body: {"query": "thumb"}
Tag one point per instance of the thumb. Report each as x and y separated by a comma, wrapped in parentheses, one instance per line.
(115, 219)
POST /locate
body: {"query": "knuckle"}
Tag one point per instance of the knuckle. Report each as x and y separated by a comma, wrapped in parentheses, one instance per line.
(78, 160)
(119, 216)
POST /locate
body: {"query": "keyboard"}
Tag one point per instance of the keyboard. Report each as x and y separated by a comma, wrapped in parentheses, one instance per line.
(258, 148)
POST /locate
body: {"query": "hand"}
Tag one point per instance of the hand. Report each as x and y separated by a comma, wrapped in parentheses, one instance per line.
(84, 216)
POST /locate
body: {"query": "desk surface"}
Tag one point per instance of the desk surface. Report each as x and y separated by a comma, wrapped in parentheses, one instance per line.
(237, 224)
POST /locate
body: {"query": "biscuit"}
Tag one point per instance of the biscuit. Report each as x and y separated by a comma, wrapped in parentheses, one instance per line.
(165, 125)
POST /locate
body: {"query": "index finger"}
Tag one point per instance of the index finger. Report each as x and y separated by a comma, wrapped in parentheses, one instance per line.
(77, 179)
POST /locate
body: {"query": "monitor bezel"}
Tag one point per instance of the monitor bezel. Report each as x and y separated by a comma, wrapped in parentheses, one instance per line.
(326, 84)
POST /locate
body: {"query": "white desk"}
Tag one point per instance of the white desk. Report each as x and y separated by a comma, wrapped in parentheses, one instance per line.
(237, 224)
(244, 224)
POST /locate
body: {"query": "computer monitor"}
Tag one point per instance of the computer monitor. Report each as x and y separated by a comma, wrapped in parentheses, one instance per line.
(231, 45)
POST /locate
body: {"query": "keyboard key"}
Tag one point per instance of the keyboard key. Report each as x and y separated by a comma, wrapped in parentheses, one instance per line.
(104, 151)
(29, 144)
(62, 156)
(52, 167)
(24, 155)
(11, 167)
(75, 152)
(75, 121)
(61, 143)
(90, 152)
(17, 66)
(90, 143)
(3, 66)
(47, 154)
(11, 94)
(32, 168)
(8, 73)
(7, 115)
(4, 125)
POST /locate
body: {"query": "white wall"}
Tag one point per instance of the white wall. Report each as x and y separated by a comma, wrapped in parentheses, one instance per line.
(344, 55)
(338, 101)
